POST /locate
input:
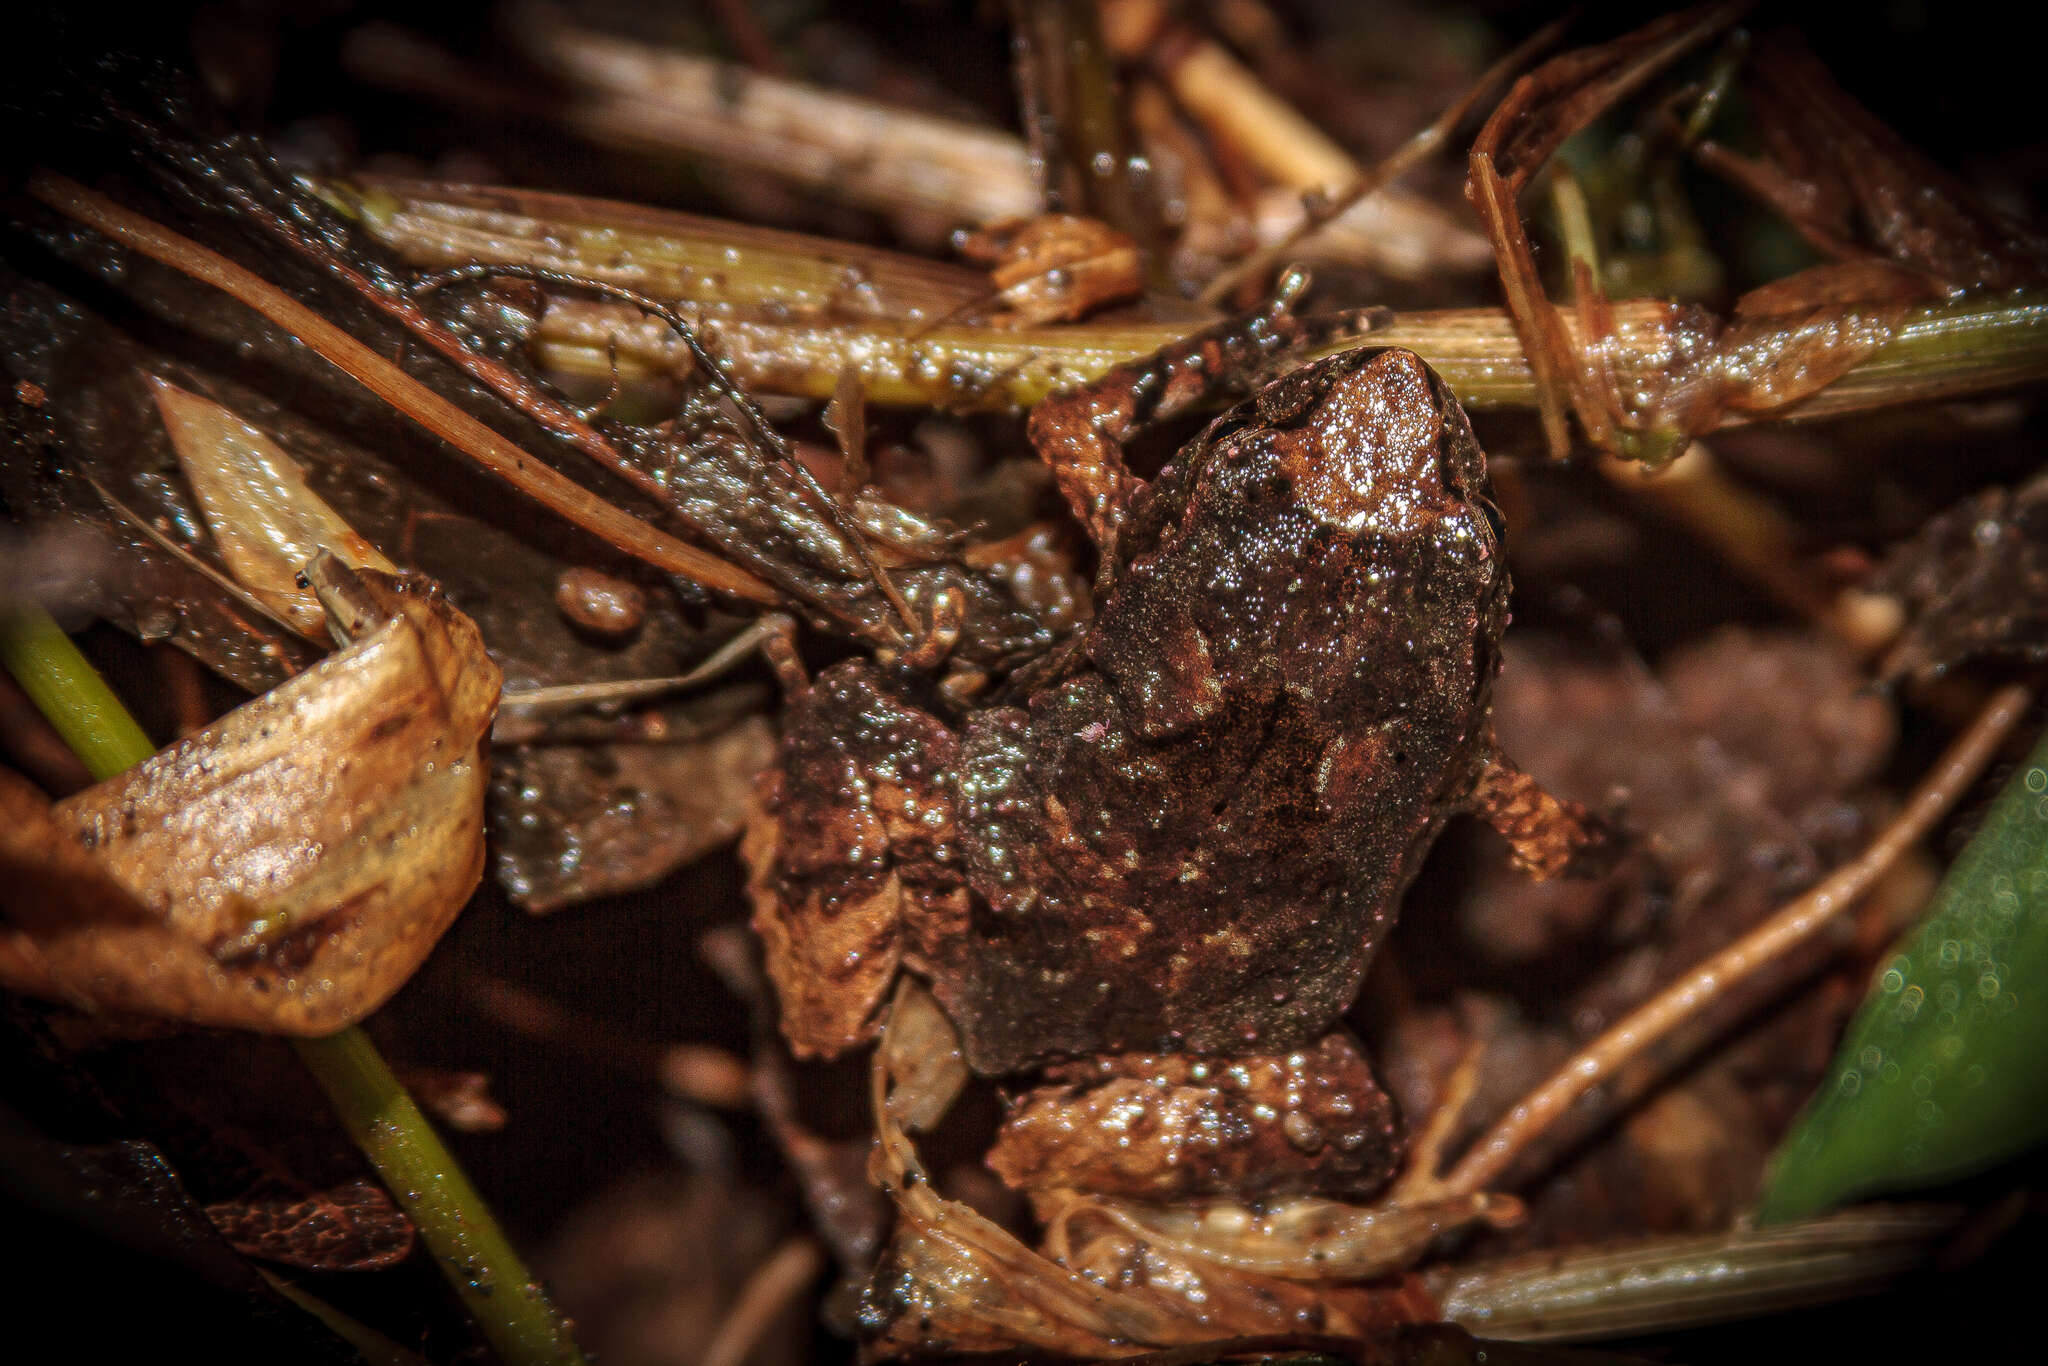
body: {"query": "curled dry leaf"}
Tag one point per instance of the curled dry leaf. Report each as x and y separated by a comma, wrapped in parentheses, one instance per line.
(288, 867)
(1835, 166)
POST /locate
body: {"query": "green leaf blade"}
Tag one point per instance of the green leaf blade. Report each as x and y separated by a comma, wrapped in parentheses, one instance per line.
(1944, 1070)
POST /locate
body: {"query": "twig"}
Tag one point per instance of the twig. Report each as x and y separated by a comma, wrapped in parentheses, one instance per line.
(1656, 1285)
(1410, 154)
(856, 150)
(1969, 345)
(1487, 1160)
(867, 153)
(1397, 233)
(487, 448)
(678, 257)
(718, 662)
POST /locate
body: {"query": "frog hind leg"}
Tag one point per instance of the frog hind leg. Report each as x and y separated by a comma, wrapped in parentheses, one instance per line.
(841, 844)
(1232, 1169)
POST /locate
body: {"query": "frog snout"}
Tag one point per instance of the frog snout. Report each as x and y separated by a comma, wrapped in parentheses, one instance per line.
(1368, 457)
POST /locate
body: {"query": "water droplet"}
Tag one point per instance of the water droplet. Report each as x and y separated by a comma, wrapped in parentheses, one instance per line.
(1301, 1131)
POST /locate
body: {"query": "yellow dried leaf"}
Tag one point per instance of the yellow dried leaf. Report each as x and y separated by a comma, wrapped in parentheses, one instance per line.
(287, 868)
(268, 523)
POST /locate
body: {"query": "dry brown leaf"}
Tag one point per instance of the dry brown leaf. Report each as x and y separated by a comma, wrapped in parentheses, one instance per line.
(287, 868)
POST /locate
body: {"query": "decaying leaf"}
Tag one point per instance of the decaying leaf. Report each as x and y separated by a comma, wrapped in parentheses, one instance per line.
(287, 868)
(1975, 583)
(349, 1227)
(570, 822)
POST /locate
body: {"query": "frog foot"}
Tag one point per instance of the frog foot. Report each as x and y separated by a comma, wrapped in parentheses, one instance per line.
(1548, 835)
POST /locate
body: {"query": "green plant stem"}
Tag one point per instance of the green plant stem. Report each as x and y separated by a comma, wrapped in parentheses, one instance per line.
(471, 1250)
(69, 691)
(509, 1305)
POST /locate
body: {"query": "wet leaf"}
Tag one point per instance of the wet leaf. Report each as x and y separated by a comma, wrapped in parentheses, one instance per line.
(570, 822)
(350, 1227)
(1940, 1074)
(287, 868)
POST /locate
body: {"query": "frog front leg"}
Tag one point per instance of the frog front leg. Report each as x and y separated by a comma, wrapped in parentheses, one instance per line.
(845, 843)
(1548, 835)
(1080, 433)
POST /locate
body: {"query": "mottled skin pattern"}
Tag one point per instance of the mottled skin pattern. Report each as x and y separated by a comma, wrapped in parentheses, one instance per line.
(1194, 842)
(1184, 1127)
(1191, 831)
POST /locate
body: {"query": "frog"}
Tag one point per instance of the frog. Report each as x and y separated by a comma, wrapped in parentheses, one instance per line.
(1145, 876)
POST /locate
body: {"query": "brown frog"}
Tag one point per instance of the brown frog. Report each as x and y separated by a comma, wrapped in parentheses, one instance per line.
(1155, 865)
